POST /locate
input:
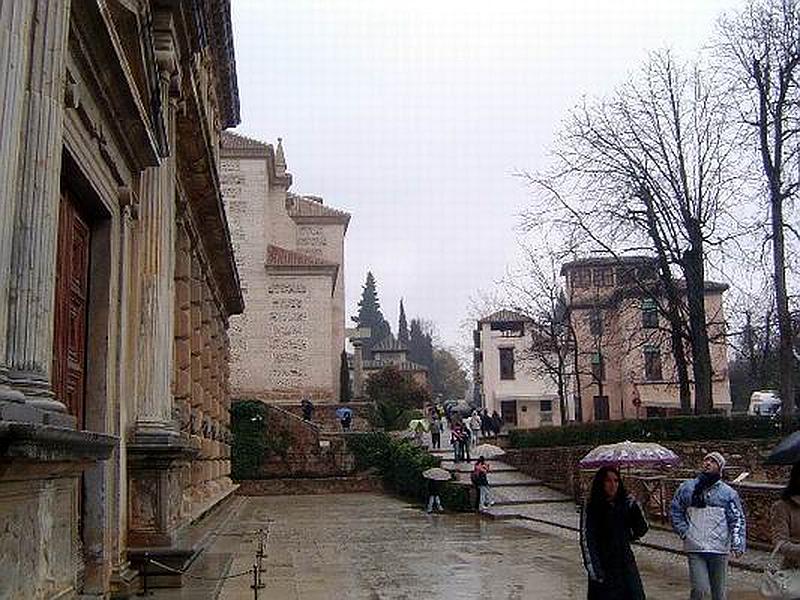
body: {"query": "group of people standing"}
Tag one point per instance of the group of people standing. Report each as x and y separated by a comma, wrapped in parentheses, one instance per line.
(706, 513)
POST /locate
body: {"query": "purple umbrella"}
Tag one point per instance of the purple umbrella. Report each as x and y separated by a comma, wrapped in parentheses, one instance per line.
(629, 454)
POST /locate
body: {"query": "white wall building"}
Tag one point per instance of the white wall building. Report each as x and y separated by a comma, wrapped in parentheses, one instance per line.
(507, 379)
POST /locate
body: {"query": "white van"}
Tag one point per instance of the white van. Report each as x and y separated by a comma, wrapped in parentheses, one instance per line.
(764, 403)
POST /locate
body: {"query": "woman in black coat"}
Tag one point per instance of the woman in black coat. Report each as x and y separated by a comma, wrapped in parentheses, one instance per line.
(610, 521)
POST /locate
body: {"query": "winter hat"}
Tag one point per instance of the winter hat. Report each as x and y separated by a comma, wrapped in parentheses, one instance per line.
(717, 458)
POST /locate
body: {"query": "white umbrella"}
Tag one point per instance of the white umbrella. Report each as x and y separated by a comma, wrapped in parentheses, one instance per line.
(629, 454)
(487, 451)
(437, 474)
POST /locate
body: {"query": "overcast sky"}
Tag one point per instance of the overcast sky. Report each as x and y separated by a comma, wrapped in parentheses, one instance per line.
(413, 116)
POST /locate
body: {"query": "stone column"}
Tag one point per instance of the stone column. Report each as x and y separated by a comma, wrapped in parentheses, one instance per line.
(15, 23)
(358, 369)
(157, 268)
(29, 347)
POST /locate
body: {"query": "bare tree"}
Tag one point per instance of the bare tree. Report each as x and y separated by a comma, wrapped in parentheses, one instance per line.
(655, 168)
(762, 45)
(536, 291)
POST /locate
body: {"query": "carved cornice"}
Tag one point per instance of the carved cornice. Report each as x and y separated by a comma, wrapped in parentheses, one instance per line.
(95, 43)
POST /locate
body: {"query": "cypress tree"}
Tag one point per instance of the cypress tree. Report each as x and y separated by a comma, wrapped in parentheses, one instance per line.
(344, 379)
(369, 315)
(402, 326)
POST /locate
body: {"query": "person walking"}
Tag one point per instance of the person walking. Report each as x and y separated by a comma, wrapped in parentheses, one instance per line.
(465, 443)
(346, 421)
(308, 409)
(610, 521)
(486, 423)
(480, 479)
(475, 427)
(497, 423)
(455, 442)
(707, 514)
(785, 521)
(434, 500)
(436, 431)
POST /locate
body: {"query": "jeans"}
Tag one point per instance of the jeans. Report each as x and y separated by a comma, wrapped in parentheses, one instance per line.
(707, 576)
(484, 496)
(434, 501)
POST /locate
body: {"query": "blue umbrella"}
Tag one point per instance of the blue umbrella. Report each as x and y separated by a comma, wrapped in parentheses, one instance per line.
(341, 412)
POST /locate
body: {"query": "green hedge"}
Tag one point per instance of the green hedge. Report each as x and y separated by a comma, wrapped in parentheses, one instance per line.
(248, 426)
(688, 428)
(400, 463)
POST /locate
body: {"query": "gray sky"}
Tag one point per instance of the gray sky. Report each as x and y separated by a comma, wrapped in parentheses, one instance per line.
(413, 116)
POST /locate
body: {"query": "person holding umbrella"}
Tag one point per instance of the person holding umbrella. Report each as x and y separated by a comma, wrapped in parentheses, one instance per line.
(707, 514)
(345, 415)
(610, 521)
(435, 477)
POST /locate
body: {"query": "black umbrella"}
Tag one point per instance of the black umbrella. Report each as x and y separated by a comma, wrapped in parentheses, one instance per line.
(787, 452)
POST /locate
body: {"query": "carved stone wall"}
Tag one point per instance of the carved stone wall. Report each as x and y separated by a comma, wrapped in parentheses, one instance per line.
(40, 554)
(288, 342)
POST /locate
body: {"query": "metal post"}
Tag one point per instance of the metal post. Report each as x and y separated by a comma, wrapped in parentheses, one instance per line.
(145, 591)
(255, 585)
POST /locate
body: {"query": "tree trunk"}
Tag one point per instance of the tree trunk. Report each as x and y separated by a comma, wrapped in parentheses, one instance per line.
(676, 323)
(786, 361)
(698, 332)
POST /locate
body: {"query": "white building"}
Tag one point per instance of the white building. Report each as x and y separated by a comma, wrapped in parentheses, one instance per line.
(507, 379)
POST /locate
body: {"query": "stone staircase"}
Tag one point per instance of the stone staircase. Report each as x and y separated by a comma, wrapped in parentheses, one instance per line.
(513, 491)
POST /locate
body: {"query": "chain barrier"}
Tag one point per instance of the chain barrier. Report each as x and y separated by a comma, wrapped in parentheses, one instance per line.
(256, 570)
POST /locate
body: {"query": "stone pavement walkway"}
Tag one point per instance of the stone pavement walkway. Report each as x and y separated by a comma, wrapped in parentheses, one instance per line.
(376, 547)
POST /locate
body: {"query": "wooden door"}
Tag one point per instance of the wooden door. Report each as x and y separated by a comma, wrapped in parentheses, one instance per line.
(508, 410)
(601, 408)
(71, 302)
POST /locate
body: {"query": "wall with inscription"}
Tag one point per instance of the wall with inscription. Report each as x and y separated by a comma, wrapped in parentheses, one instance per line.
(288, 342)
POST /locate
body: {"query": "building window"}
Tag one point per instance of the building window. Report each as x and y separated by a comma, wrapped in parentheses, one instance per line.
(652, 363)
(601, 412)
(581, 278)
(596, 322)
(604, 277)
(649, 314)
(546, 406)
(598, 367)
(506, 363)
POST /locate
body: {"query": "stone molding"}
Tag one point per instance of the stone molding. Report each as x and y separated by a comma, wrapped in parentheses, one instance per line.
(53, 444)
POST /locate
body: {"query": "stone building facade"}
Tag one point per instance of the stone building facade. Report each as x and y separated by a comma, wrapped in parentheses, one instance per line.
(117, 281)
(625, 361)
(390, 352)
(507, 378)
(290, 252)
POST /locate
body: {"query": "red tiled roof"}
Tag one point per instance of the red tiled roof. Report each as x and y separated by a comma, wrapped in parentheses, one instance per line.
(505, 316)
(281, 257)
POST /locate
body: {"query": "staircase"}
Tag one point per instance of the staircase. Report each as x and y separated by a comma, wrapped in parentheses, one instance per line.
(515, 494)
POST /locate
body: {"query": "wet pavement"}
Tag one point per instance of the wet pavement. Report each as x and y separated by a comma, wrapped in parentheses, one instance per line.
(373, 547)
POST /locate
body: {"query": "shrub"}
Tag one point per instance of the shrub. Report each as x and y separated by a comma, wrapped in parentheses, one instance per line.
(390, 385)
(248, 426)
(684, 428)
(400, 464)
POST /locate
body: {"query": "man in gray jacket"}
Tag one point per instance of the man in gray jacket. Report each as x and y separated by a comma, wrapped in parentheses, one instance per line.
(707, 514)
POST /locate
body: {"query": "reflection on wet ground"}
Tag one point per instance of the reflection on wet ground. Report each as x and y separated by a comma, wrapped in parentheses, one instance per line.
(378, 547)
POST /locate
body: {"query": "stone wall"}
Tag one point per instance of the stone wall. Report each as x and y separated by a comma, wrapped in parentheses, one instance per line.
(324, 415)
(323, 485)
(299, 449)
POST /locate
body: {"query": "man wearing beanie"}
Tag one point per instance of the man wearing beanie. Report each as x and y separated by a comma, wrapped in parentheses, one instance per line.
(707, 514)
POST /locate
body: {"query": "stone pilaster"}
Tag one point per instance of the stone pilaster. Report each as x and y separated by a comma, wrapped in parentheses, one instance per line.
(29, 350)
(15, 24)
(156, 273)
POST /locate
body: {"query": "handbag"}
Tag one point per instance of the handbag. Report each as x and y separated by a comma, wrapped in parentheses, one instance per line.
(777, 583)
